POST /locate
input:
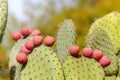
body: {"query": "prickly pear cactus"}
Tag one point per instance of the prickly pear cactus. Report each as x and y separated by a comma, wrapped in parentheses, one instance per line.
(3, 21)
(66, 36)
(82, 68)
(110, 77)
(15, 50)
(18, 72)
(3, 17)
(42, 64)
(100, 40)
(111, 24)
(118, 64)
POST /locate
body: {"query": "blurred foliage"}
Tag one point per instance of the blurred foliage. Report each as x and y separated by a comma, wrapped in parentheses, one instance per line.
(83, 15)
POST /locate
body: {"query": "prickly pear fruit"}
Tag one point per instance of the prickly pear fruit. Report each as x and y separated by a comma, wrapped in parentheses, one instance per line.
(26, 31)
(36, 32)
(74, 50)
(104, 61)
(87, 52)
(37, 40)
(16, 36)
(29, 45)
(49, 41)
(23, 49)
(97, 54)
(21, 58)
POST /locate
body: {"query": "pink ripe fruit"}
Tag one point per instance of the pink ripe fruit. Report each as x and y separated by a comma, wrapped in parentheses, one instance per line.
(29, 45)
(49, 41)
(87, 52)
(21, 58)
(26, 31)
(36, 32)
(16, 36)
(37, 40)
(97, 54)
(74, 50)
(104, 61)
(23, 49)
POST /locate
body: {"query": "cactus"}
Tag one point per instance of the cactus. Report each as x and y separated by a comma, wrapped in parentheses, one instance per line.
(111, 24)
(3, 17)
(110, 77)
(99, 39)
(15, 50)
(82, 68)
(12, 58)
(66, 36)
(3, 21)
(118, 58)
(42, 64)
(17, 74)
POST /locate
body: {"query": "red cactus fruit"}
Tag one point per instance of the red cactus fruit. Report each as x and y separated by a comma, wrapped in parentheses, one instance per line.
(23, 49)
(21, 58)
(104, 61)
(87, 52)
(97, 54)
(29, 45)
(74, 50)
(16, 36)
(26, 31)
(37, 40)
(49, 41)
(36, 32)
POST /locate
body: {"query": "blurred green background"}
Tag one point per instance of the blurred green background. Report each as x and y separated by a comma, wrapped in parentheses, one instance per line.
(47, 15)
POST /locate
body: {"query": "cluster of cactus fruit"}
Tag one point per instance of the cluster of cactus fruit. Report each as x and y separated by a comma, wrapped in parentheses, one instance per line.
(49, 41)
(30, 44)
(33, 58)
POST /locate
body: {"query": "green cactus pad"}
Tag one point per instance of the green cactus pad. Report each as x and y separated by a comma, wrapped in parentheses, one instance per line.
(100, 40)
(18, 71)
(15, 50)
(66, 36)
(118, 56)
(110, 78)
(3, 16)
(111, 24)
(82, 68)
(43, 64)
